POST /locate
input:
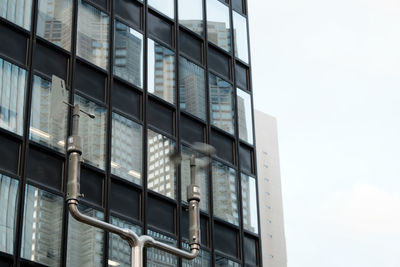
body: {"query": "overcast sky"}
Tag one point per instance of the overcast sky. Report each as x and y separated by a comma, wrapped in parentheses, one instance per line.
(329, 71)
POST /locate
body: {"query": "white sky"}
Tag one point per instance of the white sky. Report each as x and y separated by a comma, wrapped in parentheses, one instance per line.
(329, 71)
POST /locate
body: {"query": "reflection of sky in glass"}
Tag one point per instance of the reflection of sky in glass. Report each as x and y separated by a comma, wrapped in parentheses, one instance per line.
(12, 97)
(54, 22)
(128, 54)
(126, 149)
(245, 118)
(218, 26)
(191, 14)
(240, 37)
(249, 203)
(164, 6)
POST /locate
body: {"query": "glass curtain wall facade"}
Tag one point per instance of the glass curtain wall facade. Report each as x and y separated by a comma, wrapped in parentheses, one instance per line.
(158, 75)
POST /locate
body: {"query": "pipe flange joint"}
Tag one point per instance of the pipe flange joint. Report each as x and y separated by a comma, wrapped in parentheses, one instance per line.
(74, 144)
(193, 192)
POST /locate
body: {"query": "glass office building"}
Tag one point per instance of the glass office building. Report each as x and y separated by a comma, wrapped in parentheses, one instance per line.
(157, 74)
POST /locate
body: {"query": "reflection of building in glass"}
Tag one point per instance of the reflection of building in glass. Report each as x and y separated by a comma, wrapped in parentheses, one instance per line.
(12, 96)
(42, 227)
(225, 193)
(161, 171)
(156, 257)
(93, 132)
(128, 54)
(194, 25)
(54, 22)
(85, 243)
(221, 103)
(241, 113)
(164, 73)
(92, 43)
(8, 210)
(220, 34)
(191, 88)
(126, 149)
(18, 12)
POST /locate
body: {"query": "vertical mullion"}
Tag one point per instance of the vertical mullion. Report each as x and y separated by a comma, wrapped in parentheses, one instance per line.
(25, 144)
(108, 97)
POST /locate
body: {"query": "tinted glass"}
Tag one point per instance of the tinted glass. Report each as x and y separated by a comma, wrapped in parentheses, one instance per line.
(8, 209)
(128, 54)
(240, 37)
(85, 242)
(18, 12)
(119, 249)
(12, 97)
(164, 6)
(192, 90)
(161, 171)
(126, 149)
(93, 132)
(224, 262)
(191, 15)
(245, 116)
(225, 193)
(42, 228)
(158, 258)
(221, 103)
(92, 35)
(48, 115)
(161, 71)
(249, 203)
(54, 22)
(201, 178)
(218, 26)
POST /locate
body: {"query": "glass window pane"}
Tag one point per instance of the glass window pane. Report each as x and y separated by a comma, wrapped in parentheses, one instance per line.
(245, 116)
(192, 88)
(8, 211)
(126, 149)
(202, 260)
(191, 15)
(225, 193)
(240, 37)
(18, 12)
(92, 39)
(93, 132)
(161, 175)
(221, 103)
(218, 26)
(12, 97)
(161, 71)
(249, 203)
(158, 258)
(224, 262)
(128, 54)
(48, 115)
(119, 249)
(54, 22)
(201, 178)
(85, 243)
(164, 6)
(42, 227)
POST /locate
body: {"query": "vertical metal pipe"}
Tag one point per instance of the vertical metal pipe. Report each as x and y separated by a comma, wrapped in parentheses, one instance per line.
(137, 255)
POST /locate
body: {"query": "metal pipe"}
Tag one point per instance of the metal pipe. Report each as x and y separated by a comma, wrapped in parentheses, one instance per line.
(74, 150)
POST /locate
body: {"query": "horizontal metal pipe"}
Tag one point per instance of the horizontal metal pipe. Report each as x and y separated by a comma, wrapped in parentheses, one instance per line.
(151, 242)
(130, 236)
